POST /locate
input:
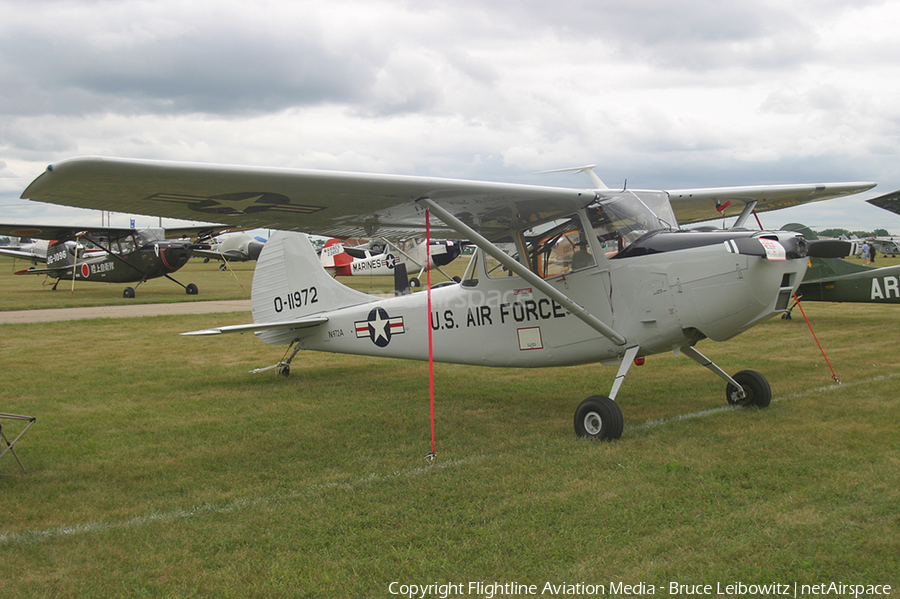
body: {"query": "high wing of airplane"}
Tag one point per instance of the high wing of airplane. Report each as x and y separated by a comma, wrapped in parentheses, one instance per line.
(110, 254)
(233, 246)
(380, 257)
(561, 276)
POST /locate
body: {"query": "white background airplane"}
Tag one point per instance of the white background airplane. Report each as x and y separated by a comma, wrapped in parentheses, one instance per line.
(381, 257)
(233, 246)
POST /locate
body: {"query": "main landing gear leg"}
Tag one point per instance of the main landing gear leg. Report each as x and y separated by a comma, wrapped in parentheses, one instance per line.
(746, 388)
(598, 416)
(190, 288)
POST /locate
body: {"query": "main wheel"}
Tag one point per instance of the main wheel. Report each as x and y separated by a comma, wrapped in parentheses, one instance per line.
(598, 417)
(128, 293)
(191, 289)
(759, 393)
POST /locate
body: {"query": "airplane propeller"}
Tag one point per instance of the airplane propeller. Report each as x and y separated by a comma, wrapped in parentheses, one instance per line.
(829, 248)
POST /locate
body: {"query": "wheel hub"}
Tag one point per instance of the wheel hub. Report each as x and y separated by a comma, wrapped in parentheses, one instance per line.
(593, 423)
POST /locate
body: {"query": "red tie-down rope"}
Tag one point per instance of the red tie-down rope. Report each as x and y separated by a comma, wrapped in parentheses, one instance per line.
(430, 456)
(833, 375)
(797, 300)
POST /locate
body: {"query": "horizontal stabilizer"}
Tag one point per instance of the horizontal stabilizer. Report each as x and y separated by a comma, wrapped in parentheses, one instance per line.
(39, 271)
(303, 323)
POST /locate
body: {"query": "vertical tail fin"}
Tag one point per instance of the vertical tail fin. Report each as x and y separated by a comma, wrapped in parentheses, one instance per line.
(61, 254)
(289, 282)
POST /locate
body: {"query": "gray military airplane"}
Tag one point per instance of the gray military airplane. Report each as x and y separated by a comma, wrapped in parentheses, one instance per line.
(115, 255)
(561, 276)
(25, 248)
(232, 246)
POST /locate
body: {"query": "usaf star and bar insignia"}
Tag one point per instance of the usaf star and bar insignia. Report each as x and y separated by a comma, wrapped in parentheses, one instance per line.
(379, 327)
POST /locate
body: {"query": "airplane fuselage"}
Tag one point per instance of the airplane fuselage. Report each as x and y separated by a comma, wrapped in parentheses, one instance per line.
(660, 301)
(872, 285)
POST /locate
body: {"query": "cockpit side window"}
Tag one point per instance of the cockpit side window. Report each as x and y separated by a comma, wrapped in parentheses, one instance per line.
(550, 249)
(557, 248)
(492, 266)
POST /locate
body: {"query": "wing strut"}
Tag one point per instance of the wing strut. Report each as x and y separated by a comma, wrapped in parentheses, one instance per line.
(745, 214)
(552, 292)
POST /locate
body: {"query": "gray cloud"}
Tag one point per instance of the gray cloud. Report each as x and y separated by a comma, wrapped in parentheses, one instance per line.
(684, 93)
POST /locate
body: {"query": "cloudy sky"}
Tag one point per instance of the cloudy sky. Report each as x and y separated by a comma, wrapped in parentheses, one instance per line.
(662, 93)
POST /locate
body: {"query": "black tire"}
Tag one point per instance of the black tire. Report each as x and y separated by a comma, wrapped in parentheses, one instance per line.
(759, 393)
(284, 370)
(191, 289)
(413, 283)
(128, 293)
(598, 417)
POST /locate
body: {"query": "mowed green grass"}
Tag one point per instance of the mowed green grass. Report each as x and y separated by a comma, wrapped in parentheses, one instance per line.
(159, 467)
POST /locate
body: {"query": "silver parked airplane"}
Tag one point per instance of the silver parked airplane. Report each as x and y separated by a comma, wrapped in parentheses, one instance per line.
(561, 276)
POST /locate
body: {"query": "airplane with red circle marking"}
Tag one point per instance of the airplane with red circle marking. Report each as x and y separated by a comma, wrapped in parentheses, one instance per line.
(111, 255)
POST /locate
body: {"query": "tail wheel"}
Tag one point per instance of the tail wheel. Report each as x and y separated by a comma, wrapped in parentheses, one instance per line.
(755, 385)
(598, 417)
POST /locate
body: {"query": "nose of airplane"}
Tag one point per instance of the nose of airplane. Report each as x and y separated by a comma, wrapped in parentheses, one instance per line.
(254, 248)
(175, 254)
(446, 252)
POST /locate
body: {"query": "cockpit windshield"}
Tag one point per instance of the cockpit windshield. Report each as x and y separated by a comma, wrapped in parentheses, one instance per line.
(621, 218)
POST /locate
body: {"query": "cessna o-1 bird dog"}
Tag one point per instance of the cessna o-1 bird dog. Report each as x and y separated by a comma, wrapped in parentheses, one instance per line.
(561, 276)
(118, 255)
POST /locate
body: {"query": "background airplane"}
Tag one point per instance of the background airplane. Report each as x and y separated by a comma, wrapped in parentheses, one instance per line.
(232, 246)
(114, 255)
(888, 245)
(381, 257)
(24, 248)
(837, 280)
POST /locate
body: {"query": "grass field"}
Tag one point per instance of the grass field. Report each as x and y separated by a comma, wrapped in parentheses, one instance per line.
(159, 467)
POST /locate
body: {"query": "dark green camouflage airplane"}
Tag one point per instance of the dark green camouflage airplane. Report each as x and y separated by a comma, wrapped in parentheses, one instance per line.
(112, 255)
(837, 280)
